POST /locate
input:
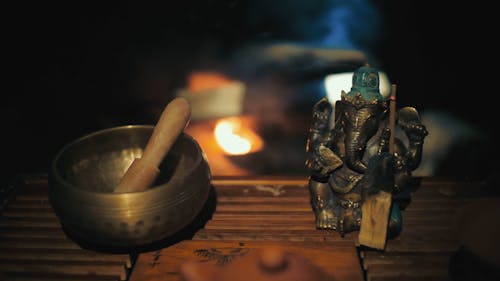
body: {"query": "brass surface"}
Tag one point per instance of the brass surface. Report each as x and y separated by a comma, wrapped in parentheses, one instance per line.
(85, 172)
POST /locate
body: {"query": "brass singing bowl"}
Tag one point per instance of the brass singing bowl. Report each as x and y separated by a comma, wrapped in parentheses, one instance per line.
(85, 172)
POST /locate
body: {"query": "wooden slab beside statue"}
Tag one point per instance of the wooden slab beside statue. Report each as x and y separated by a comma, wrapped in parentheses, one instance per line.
(356, 165)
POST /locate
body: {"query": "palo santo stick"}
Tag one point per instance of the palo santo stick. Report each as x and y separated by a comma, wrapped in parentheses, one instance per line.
(392, 118)
(143, 171)
(376, 210)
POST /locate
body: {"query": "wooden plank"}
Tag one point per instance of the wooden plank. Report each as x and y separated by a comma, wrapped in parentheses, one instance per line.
(279, 191)
(408, 278)
(434, 205)
(70, 268)
(28, 213)
(339, 261)
(436, 199)
(287, 216)
(426, 235)
(437, 181)
(424, 272)
(32, 233)
(279, 213)
(29, 228)
(273, 235)
(74, 255)
(283, 187)
(33, 245)
(28, 222)
(263, 200)
(398, 246)
(265, 212)
(248, 236)
(371, 259)
(41, 198)
(42, 276)
(263, 207)
(261, 180)
(259, 224)
(265, 220)
(445, 214)
(38, 243)
(43, 206)
(456, 189)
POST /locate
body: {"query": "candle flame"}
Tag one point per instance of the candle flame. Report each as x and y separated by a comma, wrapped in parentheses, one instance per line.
(236, 139)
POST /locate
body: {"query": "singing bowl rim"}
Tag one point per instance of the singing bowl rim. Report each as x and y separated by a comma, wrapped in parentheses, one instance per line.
(199, 159)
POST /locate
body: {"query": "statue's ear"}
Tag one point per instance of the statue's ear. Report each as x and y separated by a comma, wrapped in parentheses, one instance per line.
(322, 105)
(322, 112)
(339, 107)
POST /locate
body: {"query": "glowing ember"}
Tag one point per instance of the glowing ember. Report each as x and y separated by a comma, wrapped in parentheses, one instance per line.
(236, 139)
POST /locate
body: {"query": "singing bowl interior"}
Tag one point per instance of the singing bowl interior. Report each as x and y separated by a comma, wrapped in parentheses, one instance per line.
(85, 172)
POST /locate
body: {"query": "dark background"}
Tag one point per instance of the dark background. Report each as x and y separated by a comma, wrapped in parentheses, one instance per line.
(76, 67)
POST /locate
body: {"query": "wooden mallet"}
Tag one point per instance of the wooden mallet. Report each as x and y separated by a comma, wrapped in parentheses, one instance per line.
(143, 171)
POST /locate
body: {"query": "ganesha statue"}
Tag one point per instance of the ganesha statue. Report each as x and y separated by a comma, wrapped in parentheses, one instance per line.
(350, 153)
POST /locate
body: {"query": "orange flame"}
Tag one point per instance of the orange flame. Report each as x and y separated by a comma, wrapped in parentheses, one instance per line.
(236, 139)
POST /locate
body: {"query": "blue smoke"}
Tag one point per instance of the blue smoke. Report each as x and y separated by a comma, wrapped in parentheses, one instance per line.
(343, 24)
(353, 24)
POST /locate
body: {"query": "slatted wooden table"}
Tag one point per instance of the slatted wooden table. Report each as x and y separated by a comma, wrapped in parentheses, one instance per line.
(33, 246)
(429, 238)
(254, 213)
(278, 210)
(250, 213)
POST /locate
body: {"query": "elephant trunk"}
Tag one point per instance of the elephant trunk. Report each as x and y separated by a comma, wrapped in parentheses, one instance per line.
(360, 124)
(355, 145)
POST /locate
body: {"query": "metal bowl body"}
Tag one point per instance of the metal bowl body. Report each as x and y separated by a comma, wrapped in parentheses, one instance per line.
(85, 172)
